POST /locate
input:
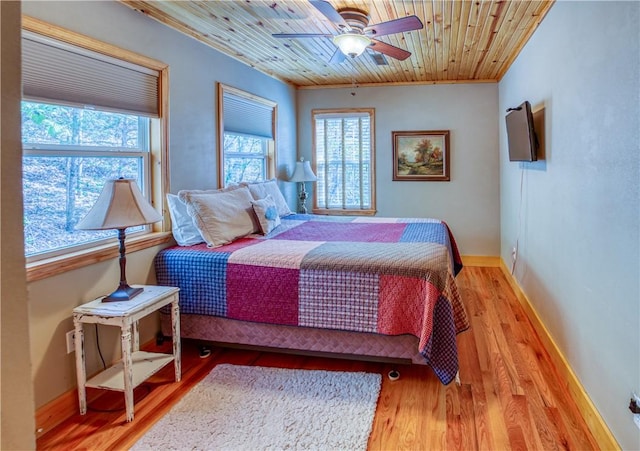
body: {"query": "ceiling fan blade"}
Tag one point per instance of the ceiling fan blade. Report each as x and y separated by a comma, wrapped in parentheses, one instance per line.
(301, 35)
(330, 13)
(390, 50)
(337, 57)
(408, 23)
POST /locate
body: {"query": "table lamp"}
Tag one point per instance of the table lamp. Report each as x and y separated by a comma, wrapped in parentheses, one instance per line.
(120, 205)
(303, 173)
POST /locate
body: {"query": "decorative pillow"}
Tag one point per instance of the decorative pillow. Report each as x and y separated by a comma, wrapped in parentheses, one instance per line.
(184, 230)
(265, 210)
(222, 216)
(260, 190)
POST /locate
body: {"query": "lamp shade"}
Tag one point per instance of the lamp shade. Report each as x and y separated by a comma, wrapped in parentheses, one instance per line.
(120, 205)
(303, 172)
(351, 44)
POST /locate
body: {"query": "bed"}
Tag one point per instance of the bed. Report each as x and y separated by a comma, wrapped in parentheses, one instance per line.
(365, 287)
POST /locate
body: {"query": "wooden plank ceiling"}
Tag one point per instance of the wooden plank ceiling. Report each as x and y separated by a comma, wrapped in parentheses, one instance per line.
(462, 41)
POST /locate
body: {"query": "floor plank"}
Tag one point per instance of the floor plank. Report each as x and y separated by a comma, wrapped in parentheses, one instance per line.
(510, 395)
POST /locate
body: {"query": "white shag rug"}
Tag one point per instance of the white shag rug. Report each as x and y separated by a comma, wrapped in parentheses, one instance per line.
(252, 408)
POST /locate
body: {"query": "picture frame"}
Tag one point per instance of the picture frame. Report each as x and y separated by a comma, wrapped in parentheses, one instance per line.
(421, 155)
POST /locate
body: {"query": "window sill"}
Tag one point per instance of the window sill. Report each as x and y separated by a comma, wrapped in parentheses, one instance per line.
(74, 260)
(331, 212)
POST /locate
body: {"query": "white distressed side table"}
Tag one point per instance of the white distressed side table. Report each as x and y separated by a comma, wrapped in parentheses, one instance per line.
(136, 366)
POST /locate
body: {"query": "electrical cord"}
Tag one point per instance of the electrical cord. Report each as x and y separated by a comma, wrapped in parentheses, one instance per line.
(104, 365)
(515, 254)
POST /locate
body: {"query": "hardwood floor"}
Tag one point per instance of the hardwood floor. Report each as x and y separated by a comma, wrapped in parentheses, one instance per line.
(510, 395)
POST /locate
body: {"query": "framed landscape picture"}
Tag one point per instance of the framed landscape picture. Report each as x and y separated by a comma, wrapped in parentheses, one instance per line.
(421, 155)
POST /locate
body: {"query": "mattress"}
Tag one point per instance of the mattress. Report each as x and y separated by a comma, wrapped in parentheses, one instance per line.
(301, 340)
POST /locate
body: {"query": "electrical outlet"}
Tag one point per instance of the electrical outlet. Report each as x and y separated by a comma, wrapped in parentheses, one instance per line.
(71, 341)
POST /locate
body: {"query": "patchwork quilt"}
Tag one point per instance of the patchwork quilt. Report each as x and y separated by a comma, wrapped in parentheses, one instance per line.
(382, 275)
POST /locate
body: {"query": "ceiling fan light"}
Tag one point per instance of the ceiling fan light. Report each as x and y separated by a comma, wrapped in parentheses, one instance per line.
(351, 44)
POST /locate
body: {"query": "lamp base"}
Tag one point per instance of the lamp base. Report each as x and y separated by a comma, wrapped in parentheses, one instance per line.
(303, 198)
(123, 293)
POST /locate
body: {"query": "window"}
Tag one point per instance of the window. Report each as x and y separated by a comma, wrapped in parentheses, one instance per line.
(344, 159)
(246, 158)
(90, 112)
(246, 151)
(68, 153)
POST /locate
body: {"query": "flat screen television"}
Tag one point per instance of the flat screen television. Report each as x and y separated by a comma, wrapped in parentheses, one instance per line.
(521, 134)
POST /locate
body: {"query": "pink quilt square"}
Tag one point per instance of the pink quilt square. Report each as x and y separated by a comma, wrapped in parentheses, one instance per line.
(262, 294)
(406, 306)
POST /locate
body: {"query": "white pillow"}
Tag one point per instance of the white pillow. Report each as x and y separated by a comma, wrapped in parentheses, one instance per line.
(260, 190)
(184, 230)
(265, 210)
(221, 216)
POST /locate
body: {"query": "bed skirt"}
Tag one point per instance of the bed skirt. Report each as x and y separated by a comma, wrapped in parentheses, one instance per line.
(298, 340)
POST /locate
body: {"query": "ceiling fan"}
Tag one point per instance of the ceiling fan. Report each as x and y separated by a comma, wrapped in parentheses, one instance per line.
(355, 34)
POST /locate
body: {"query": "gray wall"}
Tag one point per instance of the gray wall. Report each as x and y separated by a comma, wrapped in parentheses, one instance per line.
(469, 203)
(17, 431)
(578, 239)
(194, 70)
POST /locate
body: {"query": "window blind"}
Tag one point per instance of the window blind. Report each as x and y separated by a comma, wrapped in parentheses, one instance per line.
(344, 160)
(245, 116)
(346, 115)
(54, 71)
